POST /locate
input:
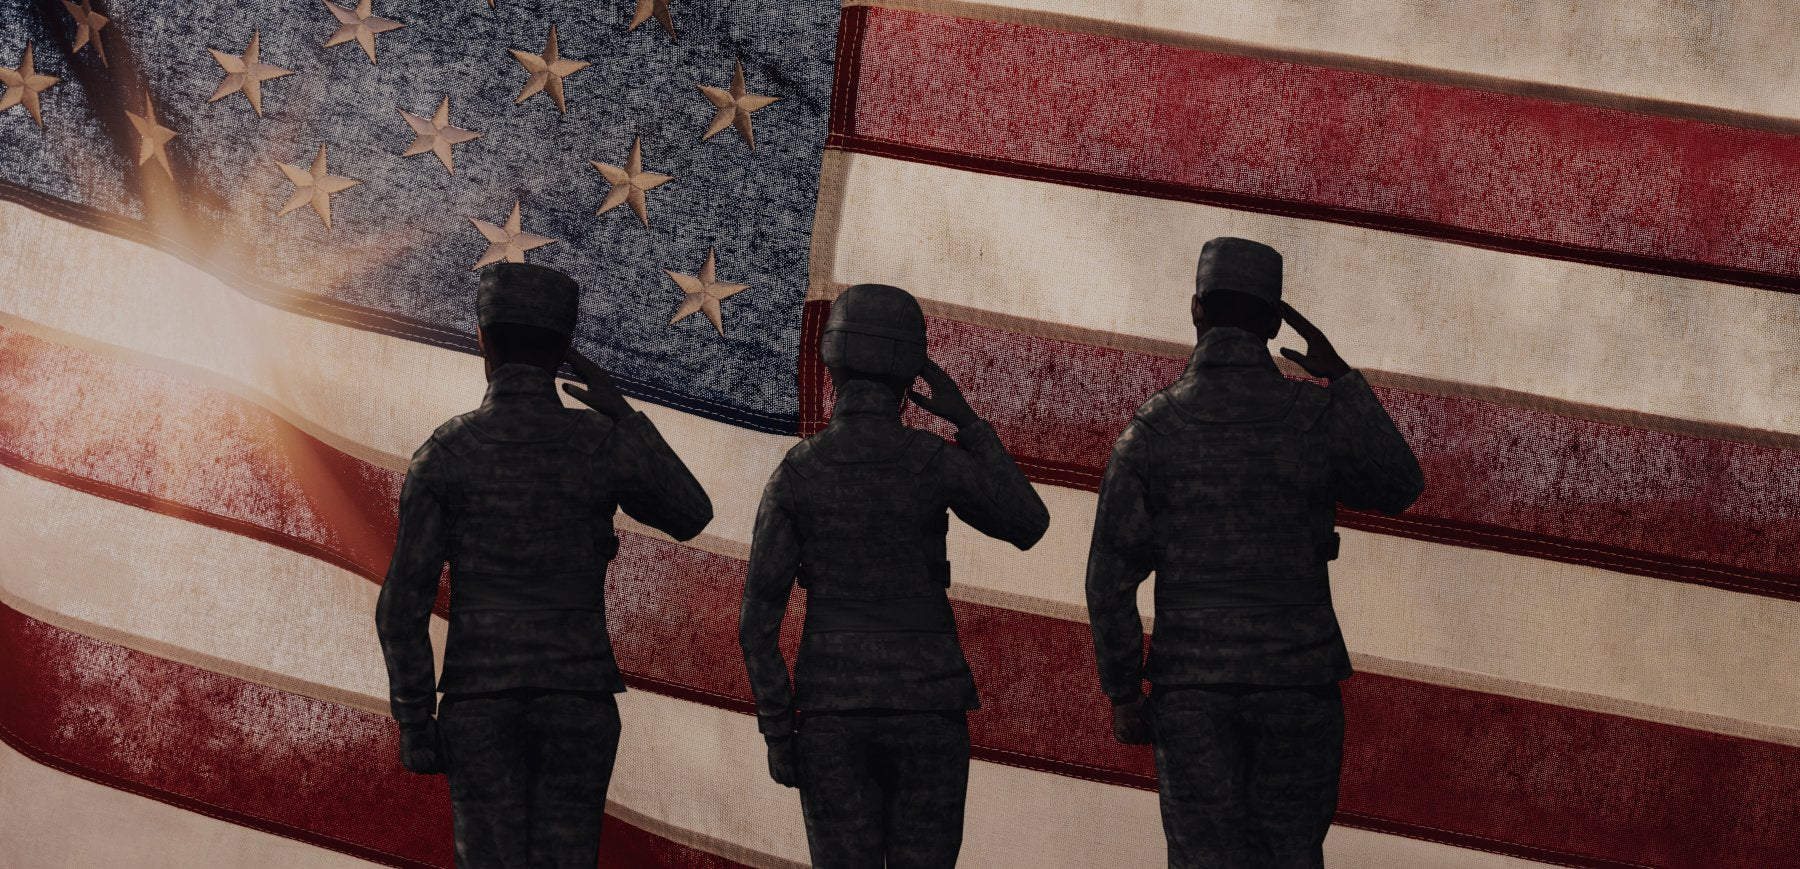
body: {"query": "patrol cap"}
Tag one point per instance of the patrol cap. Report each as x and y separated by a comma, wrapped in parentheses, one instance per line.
(875, 330)
(530, 294)
(1239, 265)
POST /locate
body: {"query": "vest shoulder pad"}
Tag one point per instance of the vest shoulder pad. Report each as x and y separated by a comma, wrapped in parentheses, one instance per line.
(1158, 413)
(1310, 401)
(457, 436)
(920, 448)
(803, 458)
(590, 429)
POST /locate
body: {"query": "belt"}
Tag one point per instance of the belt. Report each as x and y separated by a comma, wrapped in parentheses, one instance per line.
(580, 590)
(1175, 593)
(1178, 591)
(905, 578)
(926, 613)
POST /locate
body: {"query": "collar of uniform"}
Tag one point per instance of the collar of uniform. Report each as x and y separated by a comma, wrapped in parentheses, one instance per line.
(520, 381)
(1230, 347)
(865, 398)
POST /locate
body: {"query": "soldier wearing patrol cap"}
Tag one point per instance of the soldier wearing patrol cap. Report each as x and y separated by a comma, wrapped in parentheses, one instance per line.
(518, 496)
(1225, 484)
(879, 746)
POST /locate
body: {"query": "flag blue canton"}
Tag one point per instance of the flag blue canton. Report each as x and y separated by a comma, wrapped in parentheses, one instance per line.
(400, 251)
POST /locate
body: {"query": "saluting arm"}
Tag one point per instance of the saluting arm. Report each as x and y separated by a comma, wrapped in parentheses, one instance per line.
(986, 488)
(651, 482)
(988, 491)
(1372, 466)
(1371, 463)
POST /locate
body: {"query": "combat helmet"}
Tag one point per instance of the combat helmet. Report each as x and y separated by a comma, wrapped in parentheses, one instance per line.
(875, 331)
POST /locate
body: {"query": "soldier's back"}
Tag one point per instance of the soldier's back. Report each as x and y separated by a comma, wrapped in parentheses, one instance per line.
(1237, 484)
(871, 517)
(530, 534)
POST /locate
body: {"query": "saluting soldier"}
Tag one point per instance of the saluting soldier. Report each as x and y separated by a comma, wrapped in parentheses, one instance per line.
(879, 744)
(1225, 485)
(518, 496)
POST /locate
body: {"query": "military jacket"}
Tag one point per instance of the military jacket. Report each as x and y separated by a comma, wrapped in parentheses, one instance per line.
(857, 514)
(1225, 484)
(518, 496)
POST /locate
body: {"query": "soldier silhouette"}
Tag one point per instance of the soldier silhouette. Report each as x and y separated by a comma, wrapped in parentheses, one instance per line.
(518, 495)
(880, 745)
(1225, 485)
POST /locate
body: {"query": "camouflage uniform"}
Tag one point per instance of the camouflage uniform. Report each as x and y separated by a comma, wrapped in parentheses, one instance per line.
(518, 495)
(1225, 485)
(857, 513)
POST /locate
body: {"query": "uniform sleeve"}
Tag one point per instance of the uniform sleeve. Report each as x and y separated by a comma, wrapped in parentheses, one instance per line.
(774, 560)
(650, 481)
(1121, 556)
(403, 612)
(1371, 464)
(988, 491)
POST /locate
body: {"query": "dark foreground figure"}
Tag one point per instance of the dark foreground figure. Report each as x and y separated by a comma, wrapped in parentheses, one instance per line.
(857, 513)
(518, 496)
(1225, 484)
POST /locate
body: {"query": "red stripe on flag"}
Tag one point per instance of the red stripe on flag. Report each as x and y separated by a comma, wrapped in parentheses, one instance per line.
(1424, 760)
(287, 764)
(1513, 479)
(1514, 173)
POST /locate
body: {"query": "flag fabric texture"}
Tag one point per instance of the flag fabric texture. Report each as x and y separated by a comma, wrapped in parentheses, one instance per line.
(237, 290)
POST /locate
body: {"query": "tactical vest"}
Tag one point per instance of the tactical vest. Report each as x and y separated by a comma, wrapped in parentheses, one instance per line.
(1242, 510)
(526, 525)
(871, 541)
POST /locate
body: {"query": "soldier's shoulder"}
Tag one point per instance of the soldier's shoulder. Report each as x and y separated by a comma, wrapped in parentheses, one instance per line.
(923, 436)
(589, 428)
(802, 458)
(1158, 413)
(920, 448)
(455, 436)
(1309, 404)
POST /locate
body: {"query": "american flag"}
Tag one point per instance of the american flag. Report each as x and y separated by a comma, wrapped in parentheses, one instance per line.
(237, 290)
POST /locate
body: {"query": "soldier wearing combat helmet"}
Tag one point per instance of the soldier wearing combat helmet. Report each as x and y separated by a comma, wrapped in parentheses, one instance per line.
(1225, 485)
(879, 744)
(518, 496)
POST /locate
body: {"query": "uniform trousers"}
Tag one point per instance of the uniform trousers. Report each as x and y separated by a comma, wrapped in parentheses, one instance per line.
(884, 788)
(528, 775)
(1248, 775)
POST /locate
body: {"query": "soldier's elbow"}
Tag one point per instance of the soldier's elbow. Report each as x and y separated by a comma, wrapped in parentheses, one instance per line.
(1415, 486)
(689, 526)
(692, 529)
(1032, 534)
(1402, 500)
(1036, 524)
